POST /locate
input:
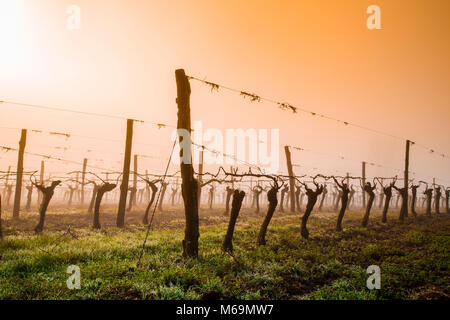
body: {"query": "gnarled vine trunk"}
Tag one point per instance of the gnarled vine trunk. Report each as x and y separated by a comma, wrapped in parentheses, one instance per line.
(429, 196)
(161, 198)
(312, 199)
(369, 190)
(236, 204)
(131, 201)
(414, 200)
(92, 202)
(48, 194)
(447, 196)
(98, 199)
(322, 199)
(283, 192)
(388, 196)
(29, 195)
(273, 201)
(344, 204)
(297, 199)
(153, 191)
(230, 192)
(437, 200)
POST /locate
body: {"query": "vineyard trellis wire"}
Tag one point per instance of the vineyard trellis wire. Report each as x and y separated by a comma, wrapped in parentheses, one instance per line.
(276, 181)
(287, 106)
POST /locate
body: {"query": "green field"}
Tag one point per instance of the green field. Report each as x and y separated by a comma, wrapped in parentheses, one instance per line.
(414, 258)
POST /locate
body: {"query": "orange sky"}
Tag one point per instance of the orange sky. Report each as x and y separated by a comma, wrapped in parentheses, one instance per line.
(315, 54)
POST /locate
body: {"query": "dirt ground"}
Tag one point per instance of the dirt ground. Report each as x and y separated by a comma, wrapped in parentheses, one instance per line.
(59, 217)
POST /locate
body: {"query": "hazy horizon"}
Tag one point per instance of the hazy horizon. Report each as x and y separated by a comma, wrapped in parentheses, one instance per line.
(317, 55)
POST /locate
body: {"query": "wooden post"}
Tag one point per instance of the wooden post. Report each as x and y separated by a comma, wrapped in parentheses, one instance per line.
(291, 177)
(363, 183)
(348, 179)
(6, 182)
(200, 177)
(83, 176)
(135, 177)
(125, 175)
(404, 212)
(19, 175)
(189, 185)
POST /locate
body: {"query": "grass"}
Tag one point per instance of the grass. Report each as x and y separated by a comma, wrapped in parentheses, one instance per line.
(414, 260)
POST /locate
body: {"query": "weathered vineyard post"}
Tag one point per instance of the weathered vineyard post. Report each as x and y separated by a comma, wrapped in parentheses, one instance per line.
(404, 208)
(83, 176)
(189, 185)
(291, 177)
(363, 183)
(5, 189)
(135, 177)
(125, 175)
(200, 178)
(19, 175)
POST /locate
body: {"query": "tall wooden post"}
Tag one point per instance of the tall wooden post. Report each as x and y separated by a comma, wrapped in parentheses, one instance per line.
(135, 177)
(83, 176)
(200, 177)
(348, 179)
(291, 177)
(189, 185)
(5, 189)
(125, 175)
(19, 175)
(404, 210)
(363, 183)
